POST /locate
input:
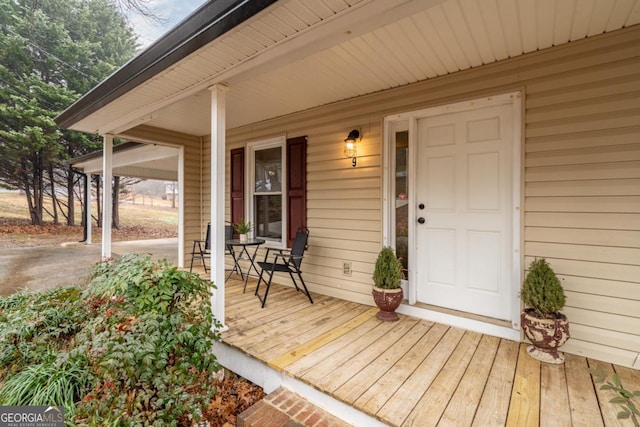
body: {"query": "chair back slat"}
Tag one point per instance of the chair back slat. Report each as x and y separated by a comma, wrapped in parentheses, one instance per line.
(207, 239)
(286, 261)
(299, 246)
(228, 232)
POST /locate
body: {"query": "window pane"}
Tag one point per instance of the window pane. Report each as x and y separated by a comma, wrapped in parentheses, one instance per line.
(401, 199)
(268, 170)
(268, 216)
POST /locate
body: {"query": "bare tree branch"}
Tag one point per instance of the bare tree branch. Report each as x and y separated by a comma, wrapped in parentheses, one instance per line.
(139, 7)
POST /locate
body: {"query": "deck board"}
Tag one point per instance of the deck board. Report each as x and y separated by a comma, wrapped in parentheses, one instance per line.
(370, 374)
(398, 408)
(356, 338)
(464, 403)
(339, 362)
(554, 397)
(306, 329)
(367, 355)
(263, 334)
(414, 372)
(429, 409)
(609, 411)
(524, 408)
(583, 401)
(321, 341)
(494, 405)
(378, 393)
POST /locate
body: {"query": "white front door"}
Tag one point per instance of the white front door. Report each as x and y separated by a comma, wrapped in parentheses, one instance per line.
(464, 210)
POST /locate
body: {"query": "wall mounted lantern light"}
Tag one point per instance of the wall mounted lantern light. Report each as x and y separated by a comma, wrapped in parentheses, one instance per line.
(350, 149)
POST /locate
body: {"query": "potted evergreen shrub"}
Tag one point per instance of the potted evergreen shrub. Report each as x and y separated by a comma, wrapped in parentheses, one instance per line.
(387, 293)
(543, 324)
(243, 228)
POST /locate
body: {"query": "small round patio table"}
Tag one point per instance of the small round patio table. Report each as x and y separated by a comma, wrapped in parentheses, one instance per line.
(243, 254)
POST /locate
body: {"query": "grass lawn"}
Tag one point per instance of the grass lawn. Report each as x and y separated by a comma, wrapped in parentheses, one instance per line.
(153, 219)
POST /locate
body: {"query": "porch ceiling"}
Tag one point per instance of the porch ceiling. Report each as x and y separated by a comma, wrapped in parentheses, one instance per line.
(297, 55)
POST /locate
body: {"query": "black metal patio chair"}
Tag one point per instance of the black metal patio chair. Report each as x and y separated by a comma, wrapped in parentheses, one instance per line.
(285, 261)
(202, 248)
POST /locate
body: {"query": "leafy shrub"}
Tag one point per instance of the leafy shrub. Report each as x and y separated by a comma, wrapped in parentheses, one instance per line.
(156, 350)
(133, 348)
(387, 273)
(542, 290)
(33, 323)
(624, 398)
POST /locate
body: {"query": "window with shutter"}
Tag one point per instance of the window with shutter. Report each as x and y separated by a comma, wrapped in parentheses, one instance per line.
(272, 173)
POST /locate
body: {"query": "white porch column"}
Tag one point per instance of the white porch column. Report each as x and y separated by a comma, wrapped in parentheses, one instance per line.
(181, 207)
(218, 142)
(107, 194)
(87, 209)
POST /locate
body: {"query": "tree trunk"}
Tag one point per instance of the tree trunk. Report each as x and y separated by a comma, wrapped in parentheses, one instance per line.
(39, 189)
(33, 188)
(71, 205)
(115, 212)
(54, 197)
(29, 195)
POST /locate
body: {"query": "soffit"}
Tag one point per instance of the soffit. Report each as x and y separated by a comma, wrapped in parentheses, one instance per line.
(149, 161)
(298, 54)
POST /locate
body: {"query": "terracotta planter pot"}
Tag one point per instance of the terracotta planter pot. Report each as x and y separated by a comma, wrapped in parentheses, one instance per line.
(387, 301)
(546, 336)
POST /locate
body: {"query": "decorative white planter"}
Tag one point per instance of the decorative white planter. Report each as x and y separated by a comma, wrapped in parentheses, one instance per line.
(244, 237)
(546, 336)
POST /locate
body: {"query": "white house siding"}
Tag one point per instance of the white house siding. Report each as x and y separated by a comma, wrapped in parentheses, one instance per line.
(581, 186)
(582, 190)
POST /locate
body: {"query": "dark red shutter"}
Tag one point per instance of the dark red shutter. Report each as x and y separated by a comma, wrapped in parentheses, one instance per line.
(237, 185)
(296, 186)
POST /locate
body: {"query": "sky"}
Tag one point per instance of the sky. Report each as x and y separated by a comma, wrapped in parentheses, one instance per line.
(173, 11)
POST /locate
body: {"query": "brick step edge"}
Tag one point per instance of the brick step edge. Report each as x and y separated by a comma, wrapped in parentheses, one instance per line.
(283, 408)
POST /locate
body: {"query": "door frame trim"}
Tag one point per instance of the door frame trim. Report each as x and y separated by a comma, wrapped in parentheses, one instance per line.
(408, 120)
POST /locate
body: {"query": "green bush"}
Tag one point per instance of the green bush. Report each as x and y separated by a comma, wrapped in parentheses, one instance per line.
(31, 324)
(387, 273)
(133, 348)
(35, 330)
(542, 290)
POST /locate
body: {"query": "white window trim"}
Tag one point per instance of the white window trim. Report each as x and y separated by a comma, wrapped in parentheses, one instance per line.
(389, 191)
(251, 148)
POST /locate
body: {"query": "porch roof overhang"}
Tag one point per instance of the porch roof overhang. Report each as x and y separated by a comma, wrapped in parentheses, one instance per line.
(280, 57)
(132, 159)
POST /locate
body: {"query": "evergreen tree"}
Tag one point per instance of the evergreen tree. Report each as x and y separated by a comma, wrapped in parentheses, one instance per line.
(51, 52)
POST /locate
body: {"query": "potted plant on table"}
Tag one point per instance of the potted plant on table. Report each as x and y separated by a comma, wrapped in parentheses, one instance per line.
(243, 228)
(387, 293)
(542, 322)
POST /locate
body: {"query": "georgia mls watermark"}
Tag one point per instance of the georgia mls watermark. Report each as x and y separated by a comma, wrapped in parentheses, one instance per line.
(31, 416)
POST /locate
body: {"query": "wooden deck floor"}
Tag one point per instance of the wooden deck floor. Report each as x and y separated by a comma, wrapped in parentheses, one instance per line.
(414, 372)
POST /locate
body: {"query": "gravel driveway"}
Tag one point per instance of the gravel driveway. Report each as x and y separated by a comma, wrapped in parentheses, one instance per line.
(36, 268)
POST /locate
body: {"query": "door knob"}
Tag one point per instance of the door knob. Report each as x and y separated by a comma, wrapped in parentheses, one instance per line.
(421, 220)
